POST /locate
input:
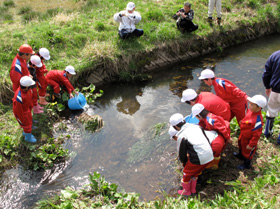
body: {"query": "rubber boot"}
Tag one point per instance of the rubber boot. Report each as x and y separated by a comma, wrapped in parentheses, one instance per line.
(42, 101)
(215, 163)
(186, 189)
(245, 165)
(36, 109)
(209, 165)
(268, 127)
(219, 20)
(29, 137)
(193, 185)
(238, 155)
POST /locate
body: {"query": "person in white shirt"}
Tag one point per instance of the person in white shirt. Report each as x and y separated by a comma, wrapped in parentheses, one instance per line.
(128, 19)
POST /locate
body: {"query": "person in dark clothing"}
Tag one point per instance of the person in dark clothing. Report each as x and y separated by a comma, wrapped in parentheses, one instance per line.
(184, 19)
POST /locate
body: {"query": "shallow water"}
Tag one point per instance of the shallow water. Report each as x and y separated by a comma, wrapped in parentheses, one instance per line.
(124, 151)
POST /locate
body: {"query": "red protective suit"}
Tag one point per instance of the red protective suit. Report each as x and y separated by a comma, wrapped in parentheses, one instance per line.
(192, 170)
(22, 106)
(18, 69)
(216, 123)
(214, 104)
(250, 132)
(57, 78)
(232, 95)
(41, 80)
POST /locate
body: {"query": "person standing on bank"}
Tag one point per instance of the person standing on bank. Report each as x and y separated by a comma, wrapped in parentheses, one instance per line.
(194, 151)
(19, 65)
(271, 81)
(22, 106)
(230, 93)
(128, 19)
(42, 84)
(184, 19)
(250, 131)
(211, 5)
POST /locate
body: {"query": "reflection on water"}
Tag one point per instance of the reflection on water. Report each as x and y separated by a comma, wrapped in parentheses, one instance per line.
(125, 151)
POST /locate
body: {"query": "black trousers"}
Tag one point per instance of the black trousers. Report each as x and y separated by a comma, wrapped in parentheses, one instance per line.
(124, 34)
(187, 25)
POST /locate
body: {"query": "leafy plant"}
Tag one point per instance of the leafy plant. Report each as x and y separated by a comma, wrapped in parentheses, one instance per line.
(89, 95)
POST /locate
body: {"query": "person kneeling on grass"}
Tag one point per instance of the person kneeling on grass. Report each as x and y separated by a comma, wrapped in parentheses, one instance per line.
(22, 106)
(128, 19)
(184, 19)
(250, 131)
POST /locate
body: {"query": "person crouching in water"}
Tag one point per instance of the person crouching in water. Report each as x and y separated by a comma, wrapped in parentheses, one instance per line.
(57, 78)
(212, 122)
(194, 151)
(128, 19)
(250, 131)
(22, 106)
(184, 19)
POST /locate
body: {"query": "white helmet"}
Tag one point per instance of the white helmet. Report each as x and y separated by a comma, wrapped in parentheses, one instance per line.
(26, 81)
(259, 100)
(70, 69)
(176, 119)
(188, 95)
(35, 60)
(207, 73)
(45, 53)
(196, 109)
(172, 132)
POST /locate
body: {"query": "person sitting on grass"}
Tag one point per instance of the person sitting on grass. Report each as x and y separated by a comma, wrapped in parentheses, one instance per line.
(250, 131)
(22, 106)
(57, 78)
(128, 19)
(184, 19)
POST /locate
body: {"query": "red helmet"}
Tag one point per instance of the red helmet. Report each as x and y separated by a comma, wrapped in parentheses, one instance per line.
(25, 48)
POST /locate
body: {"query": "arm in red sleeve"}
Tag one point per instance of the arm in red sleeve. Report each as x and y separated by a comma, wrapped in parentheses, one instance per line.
(67, 84)
(235, 91)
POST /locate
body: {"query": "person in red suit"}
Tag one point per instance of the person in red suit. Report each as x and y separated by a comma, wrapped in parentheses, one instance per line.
(57, 78)
(42, 83)
(212, 122)
(250, 131)
(22, 106)
(229, 92)
(19, 65)
(210, 101)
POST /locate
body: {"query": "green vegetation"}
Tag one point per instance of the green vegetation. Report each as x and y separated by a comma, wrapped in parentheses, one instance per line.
(84, 34)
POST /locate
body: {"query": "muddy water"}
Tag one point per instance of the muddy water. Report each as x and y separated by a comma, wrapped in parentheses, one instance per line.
(125, 150)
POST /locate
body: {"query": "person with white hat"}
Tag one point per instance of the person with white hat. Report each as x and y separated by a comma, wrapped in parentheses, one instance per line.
(42, 84)
(22, 106)
(128, 19)
(250, 131)
(212, 122)
(33, 64)
(58, 78)
(210, 101)
(19, 65)
(229, 92)
(194, 151)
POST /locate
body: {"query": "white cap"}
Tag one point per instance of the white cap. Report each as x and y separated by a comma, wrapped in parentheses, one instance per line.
(130, 6)
(45, 53)
(172, 132)
(70, 69)
(258, 100)
(176, 119)
(35, 60)
(188, 95)
(196, 109)
(207, 73)
(26, 81)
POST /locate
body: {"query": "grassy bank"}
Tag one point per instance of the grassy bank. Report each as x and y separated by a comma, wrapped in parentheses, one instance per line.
(84, 34)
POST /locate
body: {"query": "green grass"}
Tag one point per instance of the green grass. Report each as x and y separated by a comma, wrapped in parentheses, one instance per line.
(83, 33)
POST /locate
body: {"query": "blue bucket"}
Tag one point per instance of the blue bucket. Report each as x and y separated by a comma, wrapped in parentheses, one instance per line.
(78, 102)
(190, 119)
